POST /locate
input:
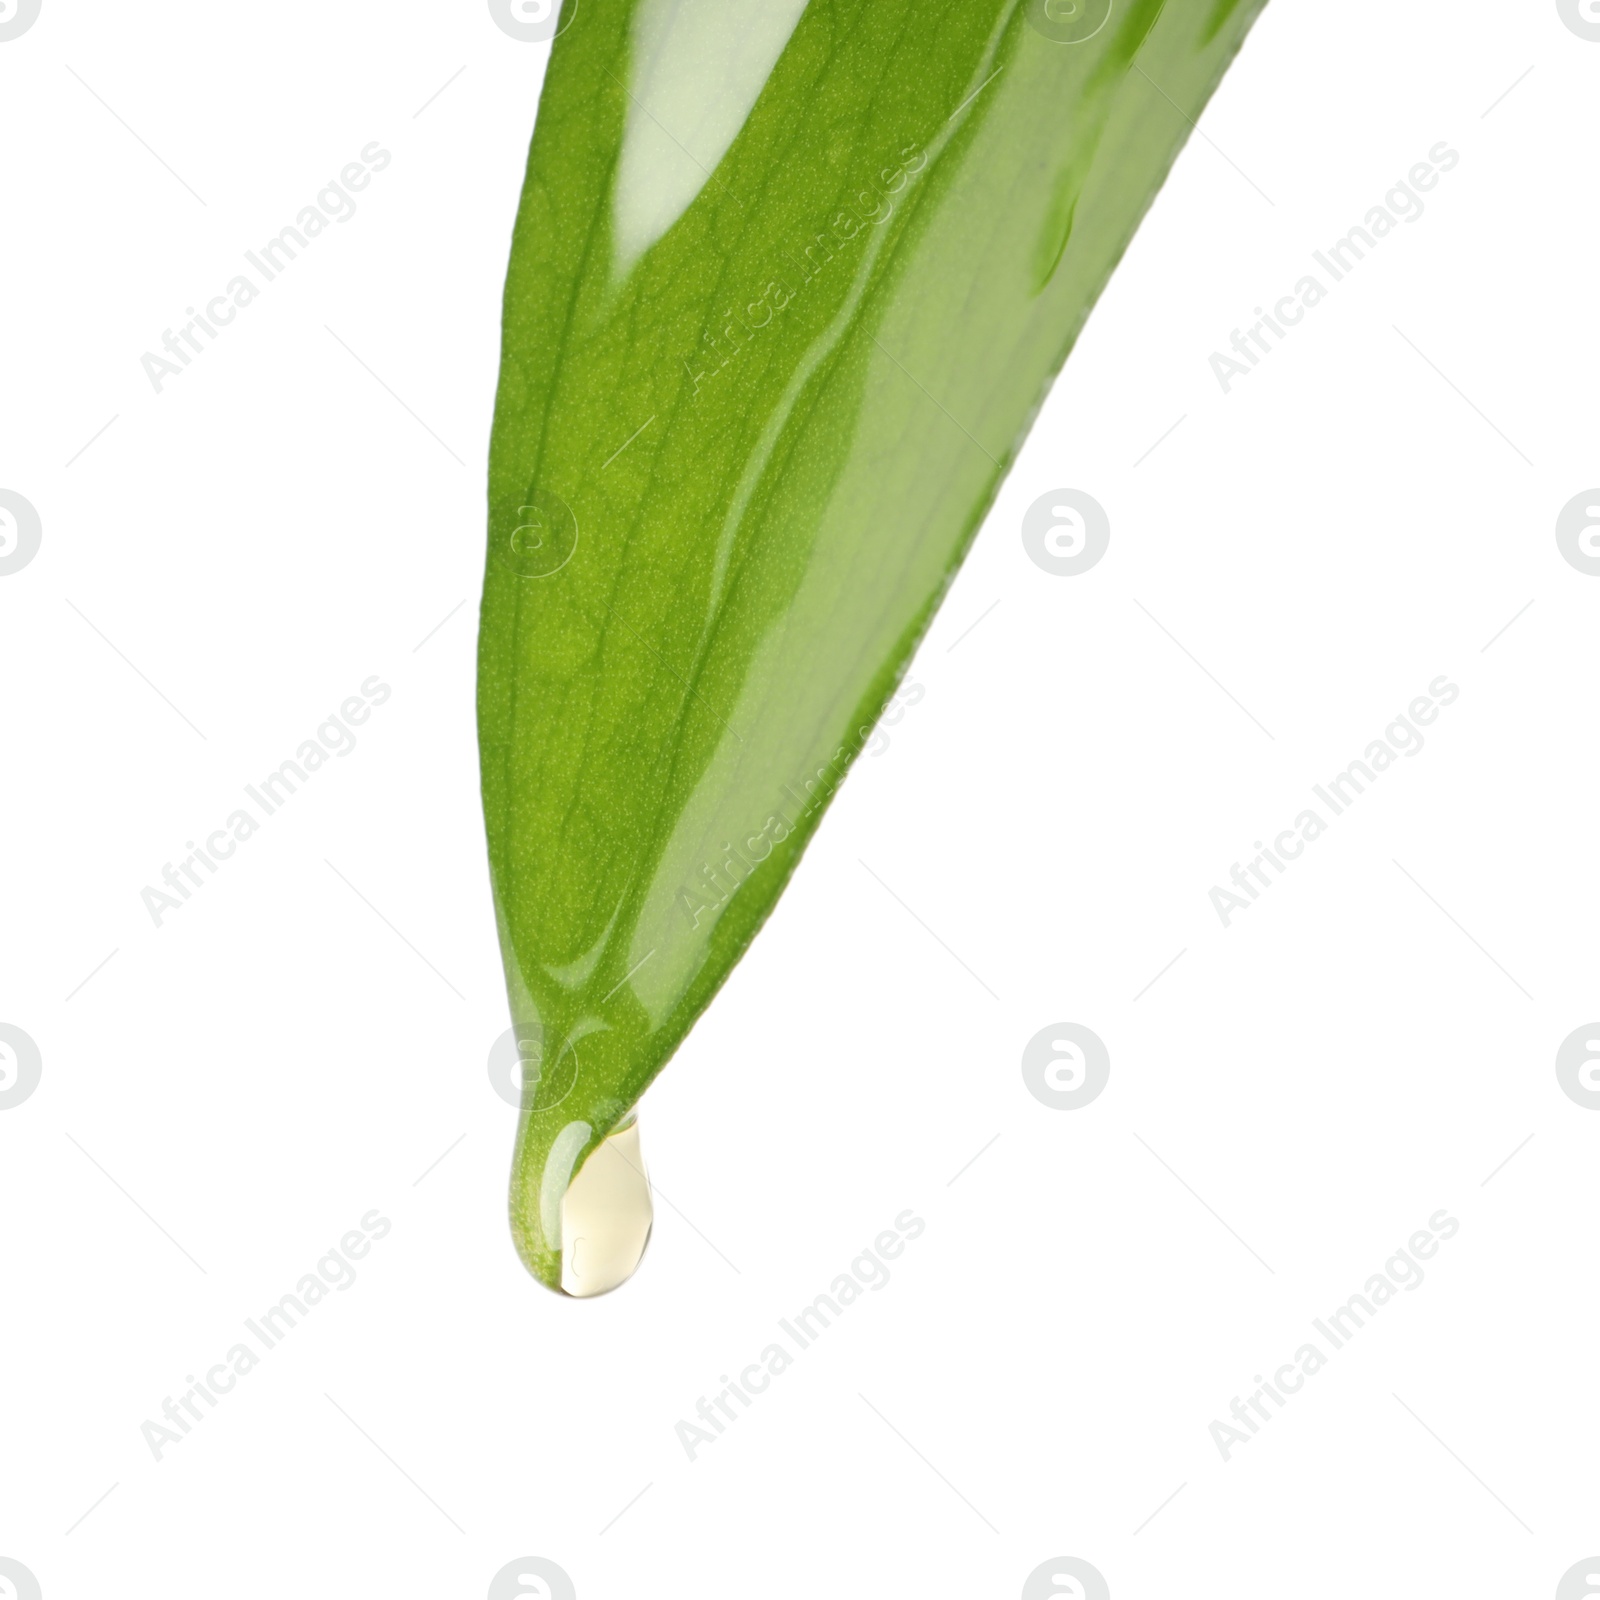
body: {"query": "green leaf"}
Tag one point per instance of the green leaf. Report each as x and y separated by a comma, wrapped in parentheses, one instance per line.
(779, 311)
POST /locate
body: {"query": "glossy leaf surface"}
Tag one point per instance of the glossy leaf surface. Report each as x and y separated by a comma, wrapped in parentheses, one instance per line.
(780, 308)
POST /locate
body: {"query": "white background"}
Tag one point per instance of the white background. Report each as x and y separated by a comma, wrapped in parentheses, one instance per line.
(1289, 1101)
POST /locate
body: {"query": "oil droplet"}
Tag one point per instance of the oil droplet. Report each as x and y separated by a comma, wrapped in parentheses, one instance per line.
(606, 1215)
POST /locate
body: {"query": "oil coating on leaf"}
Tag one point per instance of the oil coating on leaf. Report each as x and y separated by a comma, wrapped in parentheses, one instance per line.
(780, 308)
